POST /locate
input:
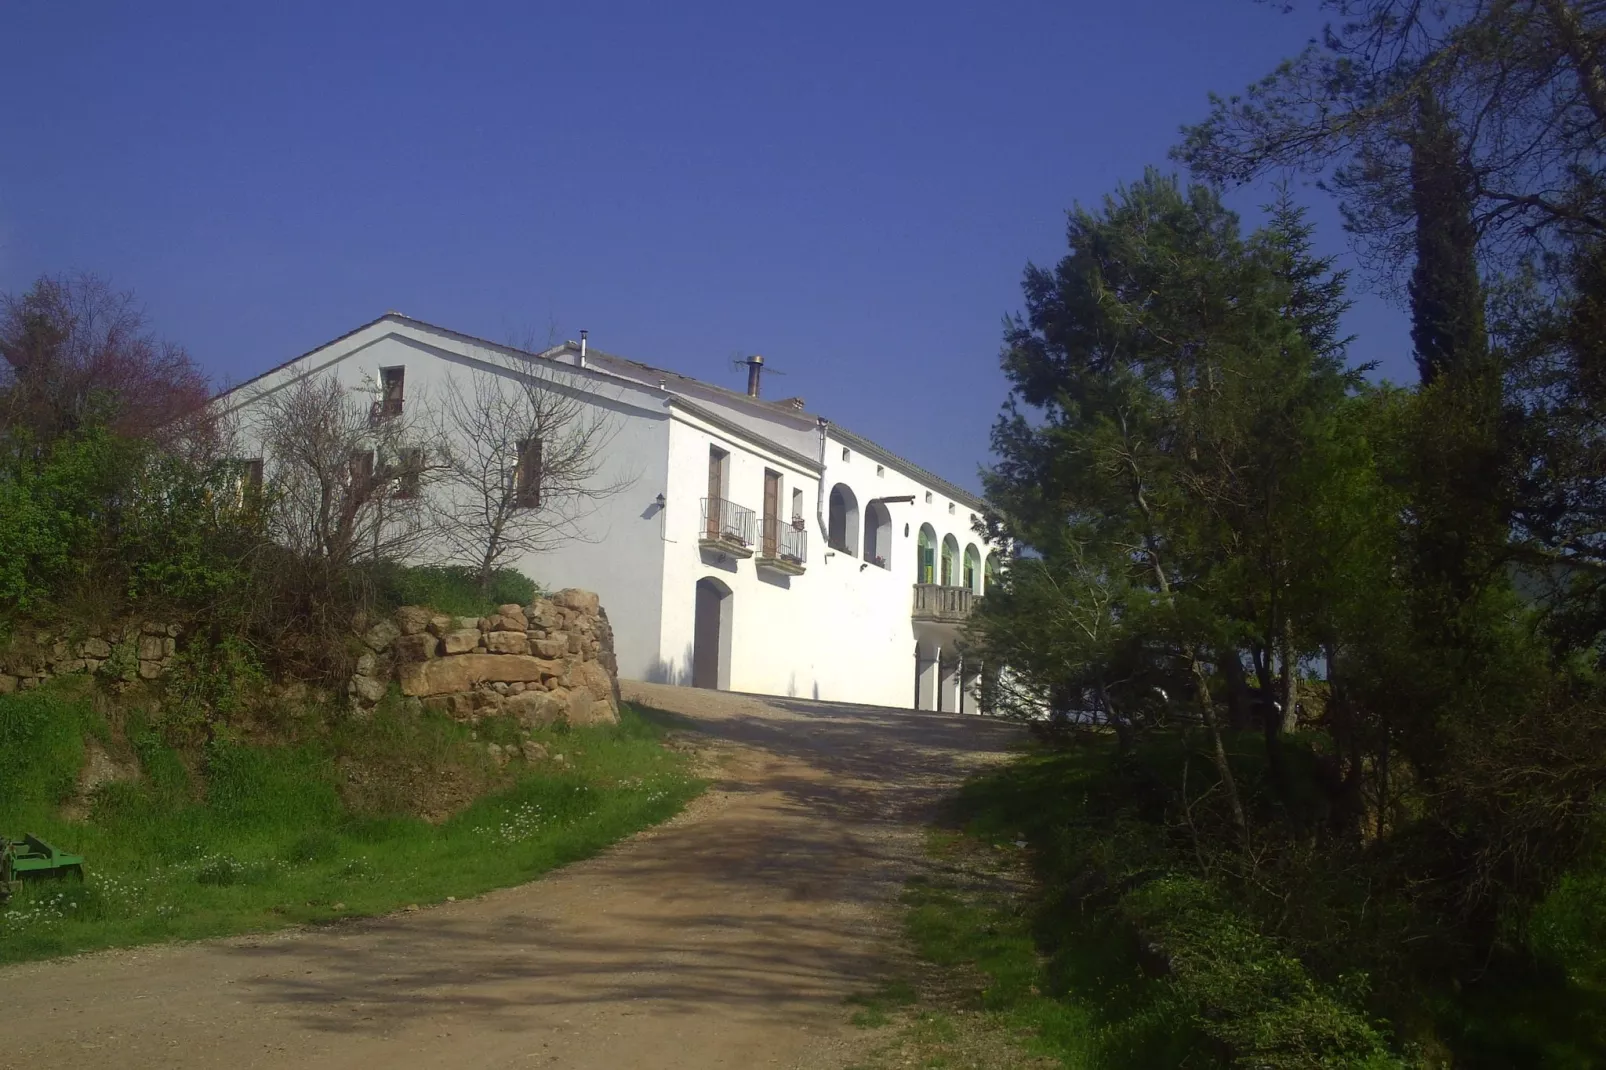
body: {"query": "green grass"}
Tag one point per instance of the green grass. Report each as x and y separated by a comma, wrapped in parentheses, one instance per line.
(450, 589)
(258, 837)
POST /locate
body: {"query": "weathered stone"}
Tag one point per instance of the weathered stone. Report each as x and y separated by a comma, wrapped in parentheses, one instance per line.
(30, 682)
(150, 627)
(460, 641)
(174, 631)
(444, 676)
(366, 665)
(495, 753)
(94, 648)
(381, 635)
(72, 665)
(575, 641)
(151, 648)
(149, 670)
(514, 614)
(580, 706)
(532, 751)
(412, 619)
(93, 664)
(420, 646)
(440, 624)
(499, 687)
(461, 624)
(576, 599)
(544, 615)
(517, 687)
(535, 709)
(507, 642)
(594, 678)
(368, 688)
(169, 646)
(8, 684)
(553, 647)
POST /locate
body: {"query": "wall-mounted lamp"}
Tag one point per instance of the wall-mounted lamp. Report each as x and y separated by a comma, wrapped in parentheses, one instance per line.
(864, 565)
(660, 501)
(830, 554)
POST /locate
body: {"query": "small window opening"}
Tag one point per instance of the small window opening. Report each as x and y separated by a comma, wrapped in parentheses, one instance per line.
(846, 454)
(527, 475)
(409, 473)
(391, 382)
(797, 508)
(362, 473)
(928, 497)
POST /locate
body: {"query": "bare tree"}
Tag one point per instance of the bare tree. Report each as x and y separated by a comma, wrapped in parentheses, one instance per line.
(74, 351)
(524, 459)
(346, 481)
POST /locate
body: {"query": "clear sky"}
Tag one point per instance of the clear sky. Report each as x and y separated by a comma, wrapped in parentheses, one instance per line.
(851, 190)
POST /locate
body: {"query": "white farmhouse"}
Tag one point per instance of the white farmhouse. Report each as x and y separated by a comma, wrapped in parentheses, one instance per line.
(757, 547)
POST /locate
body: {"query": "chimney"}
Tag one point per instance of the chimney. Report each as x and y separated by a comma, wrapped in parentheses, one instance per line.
(755, 368)
(580, 361)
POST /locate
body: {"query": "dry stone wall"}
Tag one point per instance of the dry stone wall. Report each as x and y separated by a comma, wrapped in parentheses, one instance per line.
(125, 651)
(551, 660)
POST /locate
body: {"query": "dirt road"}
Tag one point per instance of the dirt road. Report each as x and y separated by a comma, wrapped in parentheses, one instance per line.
(725, 938)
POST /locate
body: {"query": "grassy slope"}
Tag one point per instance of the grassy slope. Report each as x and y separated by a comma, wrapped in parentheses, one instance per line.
(260, 838)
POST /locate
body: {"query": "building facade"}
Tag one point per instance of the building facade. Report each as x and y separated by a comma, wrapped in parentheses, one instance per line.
(747, 545)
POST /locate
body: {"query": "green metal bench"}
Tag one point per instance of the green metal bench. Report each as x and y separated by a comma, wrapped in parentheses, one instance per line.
(31, 858)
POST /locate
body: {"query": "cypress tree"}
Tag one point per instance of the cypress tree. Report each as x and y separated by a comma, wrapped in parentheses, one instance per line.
(1446, 295)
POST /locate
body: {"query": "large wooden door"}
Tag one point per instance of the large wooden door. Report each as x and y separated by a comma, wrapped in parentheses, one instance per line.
(706, 639)
(772, 513)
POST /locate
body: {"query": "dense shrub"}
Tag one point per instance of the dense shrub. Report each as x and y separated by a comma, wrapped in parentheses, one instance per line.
(449, 588)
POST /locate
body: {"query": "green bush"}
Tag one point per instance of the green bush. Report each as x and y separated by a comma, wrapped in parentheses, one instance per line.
(1256, 1000)
(55, 510)
(449, 588)
(1569, 927)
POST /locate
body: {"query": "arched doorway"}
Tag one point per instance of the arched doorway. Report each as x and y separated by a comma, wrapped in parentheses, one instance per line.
(711, 636)
(973, 569)
(878, 535)
(842, 526)
(926, 559)
(950, 561)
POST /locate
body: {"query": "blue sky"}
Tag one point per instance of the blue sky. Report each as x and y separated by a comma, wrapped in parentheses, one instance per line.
(851, 190)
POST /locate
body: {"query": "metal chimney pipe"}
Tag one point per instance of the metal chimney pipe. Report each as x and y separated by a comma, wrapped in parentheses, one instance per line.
(581, 361)
(755, 368)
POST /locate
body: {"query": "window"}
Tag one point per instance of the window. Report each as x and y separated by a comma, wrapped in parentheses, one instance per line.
(842, 530)
(878, 535)
(846, 454)
(770, 534)
(881, 470)
(797, 508)
(972, 572)
(926, 561)
(390, 384)
(362, 473)
(248, 481)
(409, 472)
(527, 475)
(928, 497)
(950, 508)
(714, 509)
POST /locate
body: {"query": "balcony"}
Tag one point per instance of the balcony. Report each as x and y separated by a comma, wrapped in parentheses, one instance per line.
(783, 547)
(727, 528)
(942, 605)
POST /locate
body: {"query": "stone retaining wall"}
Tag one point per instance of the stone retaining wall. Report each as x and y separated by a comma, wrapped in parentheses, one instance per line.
(548, 661)
(142, 649)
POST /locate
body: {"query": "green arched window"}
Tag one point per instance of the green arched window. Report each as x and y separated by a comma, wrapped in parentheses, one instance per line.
(926, 559)
(973, 569)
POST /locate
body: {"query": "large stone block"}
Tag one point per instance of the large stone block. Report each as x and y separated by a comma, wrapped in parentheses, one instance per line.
(545, 615)
(507, 642)
(511, 618)
(461, 641)
(444, 676)
(552, 647)
(152, 647)
(94, 648)
(412, 619)
(368, 688)
(420, 646)
(591, 676)
(535, 708)
(381, 635)
(580, 601)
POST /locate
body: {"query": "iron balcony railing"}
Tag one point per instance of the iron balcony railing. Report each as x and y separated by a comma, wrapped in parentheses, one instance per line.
(783, 541)
(726, 522)
(935, 602)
